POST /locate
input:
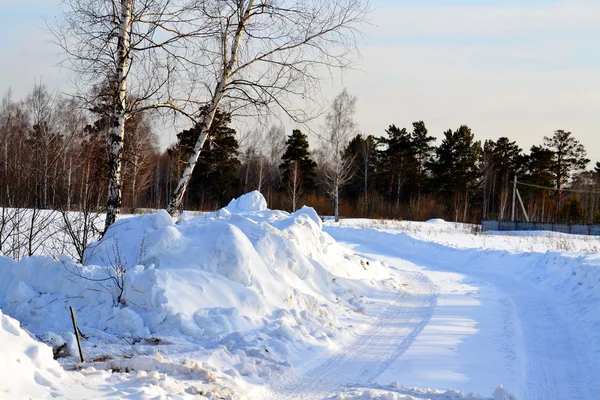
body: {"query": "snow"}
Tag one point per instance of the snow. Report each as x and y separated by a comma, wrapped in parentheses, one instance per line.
(468, 236)
(436, 221)
(499, 315)
(254, 303)
(397, 392)
(249, 202)
(28, 363)
(251, 292)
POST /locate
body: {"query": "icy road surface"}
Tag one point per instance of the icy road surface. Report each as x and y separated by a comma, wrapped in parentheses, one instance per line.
(454, 325)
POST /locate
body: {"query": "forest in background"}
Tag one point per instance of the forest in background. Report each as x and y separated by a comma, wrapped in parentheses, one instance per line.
(54, 155)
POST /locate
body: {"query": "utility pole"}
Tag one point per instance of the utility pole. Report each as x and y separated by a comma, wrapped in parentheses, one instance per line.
(514, 198)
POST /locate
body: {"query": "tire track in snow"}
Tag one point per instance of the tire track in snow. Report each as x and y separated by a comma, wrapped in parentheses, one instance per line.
(555, 368)
(376, 348)
(554, 361)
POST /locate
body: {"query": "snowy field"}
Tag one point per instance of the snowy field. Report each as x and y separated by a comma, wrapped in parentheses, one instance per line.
(252, 303)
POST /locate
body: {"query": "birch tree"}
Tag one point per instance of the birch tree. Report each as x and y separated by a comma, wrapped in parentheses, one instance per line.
(265, 55)
(132, 48)
(44, 136)
(294, 185)
(340, 127)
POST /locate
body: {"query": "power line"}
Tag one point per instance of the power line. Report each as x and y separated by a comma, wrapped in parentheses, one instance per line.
(555, 189)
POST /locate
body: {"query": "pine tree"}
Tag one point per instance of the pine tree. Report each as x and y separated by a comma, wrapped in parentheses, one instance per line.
(455, 167)
(422, 149)
(569, 156)
(363, 153)
(215, 179)
(502, 159)
(297, 150)
(539, 165)
(397, 161)
(571, 212)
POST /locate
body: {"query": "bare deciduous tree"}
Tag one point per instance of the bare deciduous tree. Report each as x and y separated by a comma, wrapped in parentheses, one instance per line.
(266, 54)
(340, 128)
(131, 49)
(294, 185)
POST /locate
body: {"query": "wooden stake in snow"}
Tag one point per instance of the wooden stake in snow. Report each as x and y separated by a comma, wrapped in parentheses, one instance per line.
(76, 329)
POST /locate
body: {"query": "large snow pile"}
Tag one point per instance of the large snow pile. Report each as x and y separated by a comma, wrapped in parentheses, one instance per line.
(27, 367)
(253, 201)
(246, 292)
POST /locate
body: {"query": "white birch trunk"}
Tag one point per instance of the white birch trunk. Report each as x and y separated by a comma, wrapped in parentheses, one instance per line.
(113, 208)
(45, 180)
(261, 169)
(179, 193)
(69, 177)
(366, 182)
(336, 201)
(8, 197)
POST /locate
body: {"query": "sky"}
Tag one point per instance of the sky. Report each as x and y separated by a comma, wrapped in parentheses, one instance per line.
(520, 69)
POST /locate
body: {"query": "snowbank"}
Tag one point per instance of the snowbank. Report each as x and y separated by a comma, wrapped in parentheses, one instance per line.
(469, 236)
(250, 202)
(435, 221)
(27, 367)
(248, 291)
(405, 393)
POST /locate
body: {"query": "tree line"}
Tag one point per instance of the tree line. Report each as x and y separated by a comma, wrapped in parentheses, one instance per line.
(211, 62)
(55, 154)
(193, 58)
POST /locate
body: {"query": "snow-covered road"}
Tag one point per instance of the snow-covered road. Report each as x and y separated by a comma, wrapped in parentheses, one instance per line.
(488, 327)
(399, 321)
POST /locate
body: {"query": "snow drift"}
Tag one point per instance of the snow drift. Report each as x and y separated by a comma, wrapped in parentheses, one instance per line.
(28, 363)
(245, 283)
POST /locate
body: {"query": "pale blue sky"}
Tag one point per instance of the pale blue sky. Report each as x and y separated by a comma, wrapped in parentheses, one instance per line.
(506, 68)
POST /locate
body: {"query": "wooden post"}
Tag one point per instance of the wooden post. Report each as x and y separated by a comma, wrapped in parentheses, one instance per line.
(76, 329)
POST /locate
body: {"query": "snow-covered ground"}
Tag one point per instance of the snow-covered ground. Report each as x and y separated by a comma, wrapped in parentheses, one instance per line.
(254, 303)
(526, 319)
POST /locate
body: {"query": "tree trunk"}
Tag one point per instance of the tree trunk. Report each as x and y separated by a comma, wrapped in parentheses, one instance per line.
(134, 186)
(45, 181)
(8, 197)
(336, 201)
(177, 198)
(117, 134)
(261, 168)
(366, 183)
(466, 205)
(69, 177)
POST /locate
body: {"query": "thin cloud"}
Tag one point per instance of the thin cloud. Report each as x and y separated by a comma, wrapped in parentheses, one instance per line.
(485, 20)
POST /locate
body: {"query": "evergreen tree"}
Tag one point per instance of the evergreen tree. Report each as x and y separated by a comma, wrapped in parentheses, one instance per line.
(215, 178)
(501, 160)
(569, 156)
(422, 149)
(455, 167)
(538, 171)
(539, 165)
(297, 150)
(397, 161)
(571, 212)
(363, 153)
